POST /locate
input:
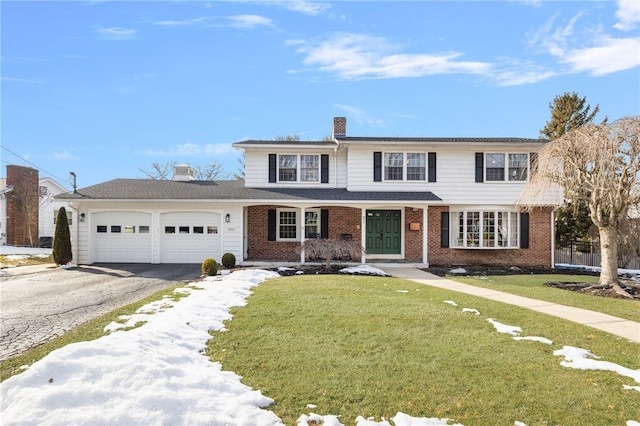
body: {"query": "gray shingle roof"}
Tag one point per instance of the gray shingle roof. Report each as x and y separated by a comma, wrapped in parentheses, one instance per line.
(374, 139)
(148, 189)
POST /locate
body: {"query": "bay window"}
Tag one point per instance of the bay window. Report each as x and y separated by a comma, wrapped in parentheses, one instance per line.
(484, 229)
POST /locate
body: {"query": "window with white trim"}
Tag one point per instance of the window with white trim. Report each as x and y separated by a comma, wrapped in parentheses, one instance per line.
(484, 229)
(506, 166)
(287, 168)
(298, 168)
(288, 225)
(415, 170)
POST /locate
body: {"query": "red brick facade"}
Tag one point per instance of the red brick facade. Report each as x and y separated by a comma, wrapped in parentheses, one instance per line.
(23, 204)
(347, 220)
(538, 254)
(342, 220)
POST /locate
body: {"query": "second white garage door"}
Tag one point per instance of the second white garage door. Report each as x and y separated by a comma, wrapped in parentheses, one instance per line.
(189, 237)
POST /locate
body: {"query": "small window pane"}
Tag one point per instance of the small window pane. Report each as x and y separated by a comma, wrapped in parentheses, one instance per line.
(488, 229)
(309, 168)
(198, 229)
(116, 229)
(143, 229)
(101, 229)
(495, 167)
(184, 229)
(169, 229)
(311, 224)
(288, 225)
(129, 229)
(416, 166)
(473, 229)
(513, 223)
(287, 168)
(212, 229)
(393, 166)
(518, 164)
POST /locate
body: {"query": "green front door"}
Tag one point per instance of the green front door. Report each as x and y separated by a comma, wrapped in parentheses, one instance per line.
(383, 232)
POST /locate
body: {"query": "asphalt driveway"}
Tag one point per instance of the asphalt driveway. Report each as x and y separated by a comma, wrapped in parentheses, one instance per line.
(38, 304)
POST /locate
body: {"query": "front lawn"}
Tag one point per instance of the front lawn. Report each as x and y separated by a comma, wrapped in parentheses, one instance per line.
(533, 286)
(374, 346)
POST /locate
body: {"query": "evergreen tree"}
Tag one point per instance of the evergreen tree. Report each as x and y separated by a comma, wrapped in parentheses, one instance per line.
(568, 112)
(62, 253)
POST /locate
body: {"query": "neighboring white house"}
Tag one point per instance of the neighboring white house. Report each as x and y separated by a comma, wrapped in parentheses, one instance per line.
(420, 200)
(48, 207)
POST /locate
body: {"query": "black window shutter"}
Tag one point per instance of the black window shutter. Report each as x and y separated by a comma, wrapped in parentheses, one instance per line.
(377, 166)
(272, 168)
(324, 168)
(479, 167)
(524, 230)
(271, 225)
(324, 224)
(432, 167)
(444, 229)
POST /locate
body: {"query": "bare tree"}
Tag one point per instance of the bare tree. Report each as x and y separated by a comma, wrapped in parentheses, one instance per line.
(159, 171)
(598, 164)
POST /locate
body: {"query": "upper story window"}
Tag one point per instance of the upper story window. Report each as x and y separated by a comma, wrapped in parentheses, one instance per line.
(310, 168)
(502, 166)
(404, 166)
(287, 168)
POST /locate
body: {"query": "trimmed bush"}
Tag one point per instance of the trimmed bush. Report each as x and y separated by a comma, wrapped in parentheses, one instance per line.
(228, 260)
(209, 267)
(62, 253)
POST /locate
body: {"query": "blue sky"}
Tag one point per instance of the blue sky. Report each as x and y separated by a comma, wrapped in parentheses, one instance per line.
(105, 89)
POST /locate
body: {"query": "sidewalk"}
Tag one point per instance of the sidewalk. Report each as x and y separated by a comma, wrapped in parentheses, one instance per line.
(620, 327)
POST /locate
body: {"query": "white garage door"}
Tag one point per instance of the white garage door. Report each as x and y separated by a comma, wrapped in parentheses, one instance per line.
(189, 237)
(122, 237)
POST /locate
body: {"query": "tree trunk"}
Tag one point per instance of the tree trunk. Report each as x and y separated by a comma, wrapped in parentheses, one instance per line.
(609, 256)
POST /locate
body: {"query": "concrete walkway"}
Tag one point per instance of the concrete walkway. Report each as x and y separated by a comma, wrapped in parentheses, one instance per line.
(620, 327)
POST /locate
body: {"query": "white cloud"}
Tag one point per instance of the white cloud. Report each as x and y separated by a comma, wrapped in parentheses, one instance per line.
(249, 21)
(64, 156)
(358, 56)
(305, 7)
(182, 23)
(360, 116)
(22, 80)
(191, 150)
(116, 33)
(628, 15)
(611, 55)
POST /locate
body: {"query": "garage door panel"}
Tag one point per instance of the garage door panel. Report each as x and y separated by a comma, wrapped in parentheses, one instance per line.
(122, 237)
(189, 237)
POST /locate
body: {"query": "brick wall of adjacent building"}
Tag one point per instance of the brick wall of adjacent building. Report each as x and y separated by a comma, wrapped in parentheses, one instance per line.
(22, 206)
(537, 255)
(342, 220)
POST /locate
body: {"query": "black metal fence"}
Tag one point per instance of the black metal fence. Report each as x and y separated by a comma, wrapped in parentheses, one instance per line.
(587, 253)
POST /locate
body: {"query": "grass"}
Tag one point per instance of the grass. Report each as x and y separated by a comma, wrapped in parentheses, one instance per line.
(28, 260)
(533, 286)
(91, 330)
(362, 346)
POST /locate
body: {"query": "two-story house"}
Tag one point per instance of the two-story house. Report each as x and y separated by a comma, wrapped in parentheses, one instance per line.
(419, 200)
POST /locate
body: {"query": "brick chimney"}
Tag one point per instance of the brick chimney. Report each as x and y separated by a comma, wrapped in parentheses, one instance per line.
(339, 127)
(23, 206)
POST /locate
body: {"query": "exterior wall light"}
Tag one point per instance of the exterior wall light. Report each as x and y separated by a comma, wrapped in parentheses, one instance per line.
(82, 216)
(227, 218)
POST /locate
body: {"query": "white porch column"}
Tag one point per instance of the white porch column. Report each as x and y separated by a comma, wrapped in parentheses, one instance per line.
(302, 235)
(363, 234)
(425, 235)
